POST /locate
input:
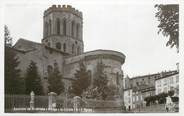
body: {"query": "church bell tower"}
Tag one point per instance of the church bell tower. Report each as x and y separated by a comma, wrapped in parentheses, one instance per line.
(62, 29)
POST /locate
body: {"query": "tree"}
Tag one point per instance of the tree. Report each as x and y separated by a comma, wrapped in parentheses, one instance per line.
(82, 80)
(101, 81)
(33, 80)
(168, 15)
(7, 37)
(171, 93)
(13, 81)
(55, 81)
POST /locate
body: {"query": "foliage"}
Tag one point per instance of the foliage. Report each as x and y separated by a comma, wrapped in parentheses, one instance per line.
(82, 80)
(101, 84)
(7, 37)
(171, 92)
(55, 81)
(150, 99)
(33, 80)
(14, 84)
(168, 16)
(161, 98)
(175, 99)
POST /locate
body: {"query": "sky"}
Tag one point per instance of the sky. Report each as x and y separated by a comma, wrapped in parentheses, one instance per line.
(127, 28)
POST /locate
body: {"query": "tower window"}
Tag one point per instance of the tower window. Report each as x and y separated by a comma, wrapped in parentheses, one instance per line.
(73, 28)
(64, 27)
(58, 25)
(46, 28)
(64, 47)
(50, 27)
(58, 45)
(117, 78)
(78, 28)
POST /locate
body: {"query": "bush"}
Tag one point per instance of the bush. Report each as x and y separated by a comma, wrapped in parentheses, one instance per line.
(175, 99)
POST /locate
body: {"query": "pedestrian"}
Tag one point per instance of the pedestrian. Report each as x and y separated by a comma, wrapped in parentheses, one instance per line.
(167, 107)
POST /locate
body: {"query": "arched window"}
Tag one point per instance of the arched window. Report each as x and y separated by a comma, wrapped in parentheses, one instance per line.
(73, 28)
(58, 26)
(64, 47)
(50, 27)
(117, 78)
(78, 30)
(46, 28)
(64, 26)
(72, 48)
(58, 45)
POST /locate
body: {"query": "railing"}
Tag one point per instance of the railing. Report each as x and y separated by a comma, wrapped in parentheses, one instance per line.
(23, 101)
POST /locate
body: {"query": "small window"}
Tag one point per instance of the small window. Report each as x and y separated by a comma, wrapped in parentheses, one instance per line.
(58, 45)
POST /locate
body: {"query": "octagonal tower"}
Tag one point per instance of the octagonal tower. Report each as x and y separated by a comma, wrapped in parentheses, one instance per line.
(62, 29)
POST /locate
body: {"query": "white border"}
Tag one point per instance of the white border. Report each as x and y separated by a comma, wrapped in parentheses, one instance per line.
(32, 2)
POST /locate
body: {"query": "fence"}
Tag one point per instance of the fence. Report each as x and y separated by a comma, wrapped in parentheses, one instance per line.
(13, 102)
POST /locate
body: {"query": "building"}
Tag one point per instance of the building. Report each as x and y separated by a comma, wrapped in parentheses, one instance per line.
(167, 83)
(62, 45)
(128, 99)
(139, 94)
(141, 87)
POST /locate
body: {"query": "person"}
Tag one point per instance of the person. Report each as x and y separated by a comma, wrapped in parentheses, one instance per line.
(167, 109)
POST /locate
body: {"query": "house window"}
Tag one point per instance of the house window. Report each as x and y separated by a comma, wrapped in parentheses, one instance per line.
(165, 81)
(165, 89)
(171, 80)
(177, 78)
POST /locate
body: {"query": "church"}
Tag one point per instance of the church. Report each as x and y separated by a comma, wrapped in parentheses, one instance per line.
(62, 44)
